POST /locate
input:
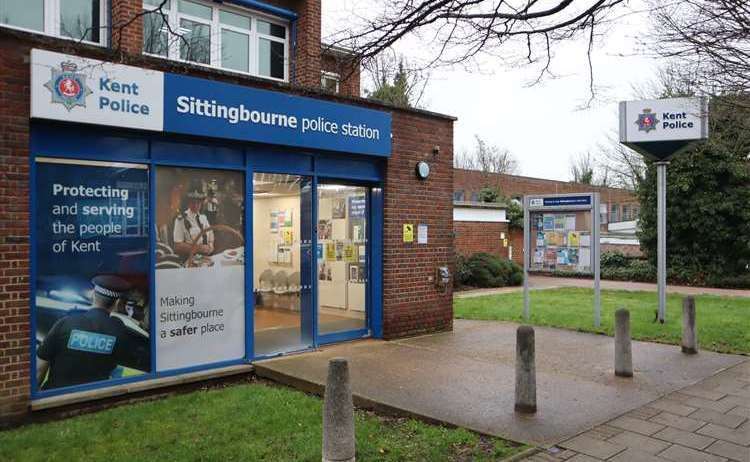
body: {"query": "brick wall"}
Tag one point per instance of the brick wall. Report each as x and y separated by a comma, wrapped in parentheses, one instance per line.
(516, 241)
(474, 236)
(412, 304)
(127, 26)
(347, 68)
(470, 181)
(14, 230)
(307, 59)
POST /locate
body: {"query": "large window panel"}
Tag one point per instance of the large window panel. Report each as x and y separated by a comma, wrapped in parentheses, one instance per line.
(281, 252)
(79, 19)
(27, 14)
(235, 50)
(342, 257)
(91, 291)
(200, 248)
(195, 9)
(271, 58)
(195, 44)
(156, 33)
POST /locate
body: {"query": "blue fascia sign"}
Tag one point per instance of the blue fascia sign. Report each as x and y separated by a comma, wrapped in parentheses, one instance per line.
(566, 201)
(200, 107)
(75, 89)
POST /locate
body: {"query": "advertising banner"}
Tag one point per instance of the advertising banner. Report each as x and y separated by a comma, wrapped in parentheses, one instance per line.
(200, 272)
(92, 289)
(71, 88)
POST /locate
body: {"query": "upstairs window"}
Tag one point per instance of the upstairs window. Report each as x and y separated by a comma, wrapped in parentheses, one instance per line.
(221, 36)
(613, 214)
(458, 196)
(329, 81)
(82, 20)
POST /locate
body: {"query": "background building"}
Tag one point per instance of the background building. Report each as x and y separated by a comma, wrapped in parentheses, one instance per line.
(480, 227)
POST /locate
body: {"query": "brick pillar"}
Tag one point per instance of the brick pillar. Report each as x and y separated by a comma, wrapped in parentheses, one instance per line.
(307, 57)
(127, 29)
(14, 231)
(412, 303)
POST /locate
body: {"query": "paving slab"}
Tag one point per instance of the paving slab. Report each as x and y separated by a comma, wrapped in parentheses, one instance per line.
(681, 437)
(730, 450)
(634, 455)
(677, 453)
(676, 421)
(466, 378)
(726, 420)
(642, 443)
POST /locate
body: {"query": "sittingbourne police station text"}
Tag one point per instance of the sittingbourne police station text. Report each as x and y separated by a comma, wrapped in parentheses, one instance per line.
(236, 114)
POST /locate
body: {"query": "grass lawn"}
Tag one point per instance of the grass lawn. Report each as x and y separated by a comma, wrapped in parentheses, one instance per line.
(723, 322)
(249, 422)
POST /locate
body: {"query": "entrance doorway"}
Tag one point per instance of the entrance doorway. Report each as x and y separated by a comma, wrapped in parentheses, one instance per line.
(342, 270)
(282, 259)
(311, 260)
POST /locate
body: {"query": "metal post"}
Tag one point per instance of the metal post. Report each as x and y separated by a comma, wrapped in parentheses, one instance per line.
(661, 229)
(526, 252)
(596, 256)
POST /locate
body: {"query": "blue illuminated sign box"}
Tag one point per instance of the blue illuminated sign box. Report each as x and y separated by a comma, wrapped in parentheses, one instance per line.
(569, 200)
(203, 107)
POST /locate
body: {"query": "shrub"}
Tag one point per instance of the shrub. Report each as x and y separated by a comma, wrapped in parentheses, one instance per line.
(613, 259)
(463, 273)
(485, 270)
(633, 270)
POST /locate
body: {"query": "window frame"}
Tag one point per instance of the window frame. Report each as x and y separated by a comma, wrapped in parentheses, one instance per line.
(51, 23)
(332, 76)
(173, 49)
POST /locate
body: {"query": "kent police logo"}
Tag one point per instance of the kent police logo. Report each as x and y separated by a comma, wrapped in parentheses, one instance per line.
(67, 86)
(647, 121)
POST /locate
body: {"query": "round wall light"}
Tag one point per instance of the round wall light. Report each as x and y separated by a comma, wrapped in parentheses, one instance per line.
(423, 170)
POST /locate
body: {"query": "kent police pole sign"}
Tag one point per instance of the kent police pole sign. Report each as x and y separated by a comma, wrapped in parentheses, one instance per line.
(75, 89)
(659, 130)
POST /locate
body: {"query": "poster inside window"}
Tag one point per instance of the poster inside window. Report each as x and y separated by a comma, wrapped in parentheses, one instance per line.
(200, 267)
(561, 241)
(91, 293)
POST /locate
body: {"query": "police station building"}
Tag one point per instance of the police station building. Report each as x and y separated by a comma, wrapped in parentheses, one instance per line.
(189, 186)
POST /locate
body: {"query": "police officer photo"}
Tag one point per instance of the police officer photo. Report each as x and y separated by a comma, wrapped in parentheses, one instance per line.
(88, 347)
(190, 223)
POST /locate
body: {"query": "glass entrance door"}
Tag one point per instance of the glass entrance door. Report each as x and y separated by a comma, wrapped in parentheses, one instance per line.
(282, 263)
(342, 269)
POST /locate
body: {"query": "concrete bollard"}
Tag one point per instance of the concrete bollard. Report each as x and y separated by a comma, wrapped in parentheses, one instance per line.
(525, 370)
(338, 414)
(623, 349)
(689, 332)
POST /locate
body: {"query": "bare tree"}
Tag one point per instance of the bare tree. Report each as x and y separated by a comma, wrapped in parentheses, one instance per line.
(709, 38)
(392, 80)
(462, 29)
(624, 167)
(487, 158)
(582, 169)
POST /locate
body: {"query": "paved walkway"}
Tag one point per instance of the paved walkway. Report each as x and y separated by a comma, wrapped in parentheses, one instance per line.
(546, 282)
(704, 422)
(466, 378)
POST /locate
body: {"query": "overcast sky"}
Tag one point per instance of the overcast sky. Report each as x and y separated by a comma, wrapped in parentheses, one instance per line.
(544, 126)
